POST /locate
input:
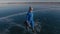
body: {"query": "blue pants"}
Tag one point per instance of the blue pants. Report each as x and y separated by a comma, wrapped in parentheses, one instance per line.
(32, 24)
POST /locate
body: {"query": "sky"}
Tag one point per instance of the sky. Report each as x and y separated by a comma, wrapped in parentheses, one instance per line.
(31, 0)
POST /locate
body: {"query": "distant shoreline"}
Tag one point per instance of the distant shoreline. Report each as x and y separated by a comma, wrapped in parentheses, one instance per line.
(31, 3)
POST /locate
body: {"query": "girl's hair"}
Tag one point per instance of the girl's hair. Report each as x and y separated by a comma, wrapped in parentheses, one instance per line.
(30, 8)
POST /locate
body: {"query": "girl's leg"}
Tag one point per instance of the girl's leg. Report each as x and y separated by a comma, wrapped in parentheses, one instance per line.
(32, 25)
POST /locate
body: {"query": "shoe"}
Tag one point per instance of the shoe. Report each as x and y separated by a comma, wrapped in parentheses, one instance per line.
(33, 31)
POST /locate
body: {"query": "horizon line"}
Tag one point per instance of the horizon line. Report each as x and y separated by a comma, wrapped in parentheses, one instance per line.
(29, 1)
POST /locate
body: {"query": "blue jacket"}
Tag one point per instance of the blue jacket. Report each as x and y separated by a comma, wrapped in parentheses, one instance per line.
(29, 18)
